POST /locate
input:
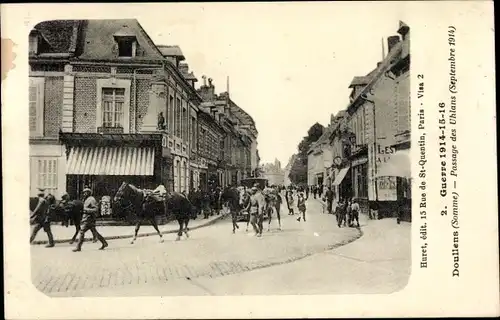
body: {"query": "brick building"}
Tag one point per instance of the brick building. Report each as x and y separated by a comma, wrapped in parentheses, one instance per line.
(108, 105)
(104, 85)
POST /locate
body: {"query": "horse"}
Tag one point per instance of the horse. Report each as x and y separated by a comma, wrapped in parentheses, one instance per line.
(230, 198)
(148, 206)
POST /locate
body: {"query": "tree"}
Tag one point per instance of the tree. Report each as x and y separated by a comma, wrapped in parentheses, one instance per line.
(298, 172)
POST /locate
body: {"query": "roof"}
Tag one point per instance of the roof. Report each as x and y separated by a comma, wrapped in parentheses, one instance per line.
(244, 117)
(376, 73)
(97, 40)
(324, 138)
(60, 35)
(191, 76)
(359, 81)
(171, 51)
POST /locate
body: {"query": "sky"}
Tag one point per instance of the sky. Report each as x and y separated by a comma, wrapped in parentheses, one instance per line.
(289, 64)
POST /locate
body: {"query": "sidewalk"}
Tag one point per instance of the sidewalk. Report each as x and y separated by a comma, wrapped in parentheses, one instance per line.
(63, 234)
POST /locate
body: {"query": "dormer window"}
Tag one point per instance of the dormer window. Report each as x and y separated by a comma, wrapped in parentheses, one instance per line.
(126, 47)
(126, 42)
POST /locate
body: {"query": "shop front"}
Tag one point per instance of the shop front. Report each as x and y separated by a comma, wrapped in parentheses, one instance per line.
(393, 184)
(103, 162)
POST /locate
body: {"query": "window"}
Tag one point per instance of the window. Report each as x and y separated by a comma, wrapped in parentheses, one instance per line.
(113, 105)
(36, 106)
(178, 118)
(171, 114)
(113, 100)
(184, 124)
(126, 47)
(193, 133)
(46, 174)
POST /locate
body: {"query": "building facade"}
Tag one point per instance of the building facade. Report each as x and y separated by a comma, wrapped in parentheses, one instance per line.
(107, 105)
(274, 173)
(373, 131)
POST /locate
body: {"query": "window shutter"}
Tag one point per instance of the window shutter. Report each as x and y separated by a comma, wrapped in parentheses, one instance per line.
(33, 93)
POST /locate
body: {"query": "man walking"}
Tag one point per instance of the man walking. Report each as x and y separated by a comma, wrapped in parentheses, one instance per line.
(40, 217)
(88, 220)
(329, 199)
(257, 207)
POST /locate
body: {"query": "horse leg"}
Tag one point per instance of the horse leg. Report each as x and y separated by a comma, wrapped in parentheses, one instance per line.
(279, 217)
(77, 230)
(179, 234)
(137, 227)
(155, 225)
(186, 222)
(269, 217)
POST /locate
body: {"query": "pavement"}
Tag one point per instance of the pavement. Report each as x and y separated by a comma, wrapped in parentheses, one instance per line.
(313, 257)
(64, 234)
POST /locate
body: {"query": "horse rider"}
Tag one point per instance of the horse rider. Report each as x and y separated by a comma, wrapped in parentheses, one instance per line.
(88, 220)
(41, 218)
(257, 207)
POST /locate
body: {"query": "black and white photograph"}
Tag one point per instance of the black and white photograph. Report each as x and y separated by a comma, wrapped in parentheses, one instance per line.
(281, 149)
(149, 177)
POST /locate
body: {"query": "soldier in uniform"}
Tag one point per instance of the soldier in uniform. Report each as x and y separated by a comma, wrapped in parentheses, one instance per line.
(257, 208)
(41, 219)
(88, 220)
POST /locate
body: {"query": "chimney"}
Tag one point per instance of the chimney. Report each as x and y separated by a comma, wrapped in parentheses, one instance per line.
(184, 68)
(207, 92)
(391, 42)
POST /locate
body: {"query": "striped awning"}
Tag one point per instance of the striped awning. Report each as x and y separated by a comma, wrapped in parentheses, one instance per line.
(111, 161)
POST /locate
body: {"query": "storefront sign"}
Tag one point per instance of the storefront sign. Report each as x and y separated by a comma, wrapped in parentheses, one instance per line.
(387, 188)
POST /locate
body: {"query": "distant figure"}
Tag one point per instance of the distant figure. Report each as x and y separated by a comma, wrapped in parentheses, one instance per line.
(315, 191)
(354, 213)
(329, 199)
(301, 205)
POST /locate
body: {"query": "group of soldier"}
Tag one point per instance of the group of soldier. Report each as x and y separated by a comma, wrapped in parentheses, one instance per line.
(40, 218)
(259, 204)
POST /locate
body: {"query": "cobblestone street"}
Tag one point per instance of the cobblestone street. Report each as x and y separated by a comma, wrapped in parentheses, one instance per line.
(211, 252)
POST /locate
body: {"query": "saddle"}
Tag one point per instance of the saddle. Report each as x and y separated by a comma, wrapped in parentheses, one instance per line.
(150, 195)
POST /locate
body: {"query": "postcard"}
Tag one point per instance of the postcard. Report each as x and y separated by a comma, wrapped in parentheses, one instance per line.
(249, 160)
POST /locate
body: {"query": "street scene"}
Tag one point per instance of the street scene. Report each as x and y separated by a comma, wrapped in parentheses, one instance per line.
(146, 179)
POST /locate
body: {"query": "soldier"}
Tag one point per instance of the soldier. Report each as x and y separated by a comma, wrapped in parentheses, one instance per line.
(257, 207)
(40, 217)
(88, 220)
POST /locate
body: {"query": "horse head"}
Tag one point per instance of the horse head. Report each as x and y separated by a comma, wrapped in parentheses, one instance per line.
(126, 193)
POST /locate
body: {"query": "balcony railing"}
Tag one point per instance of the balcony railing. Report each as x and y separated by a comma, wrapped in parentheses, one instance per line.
(111, 130)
